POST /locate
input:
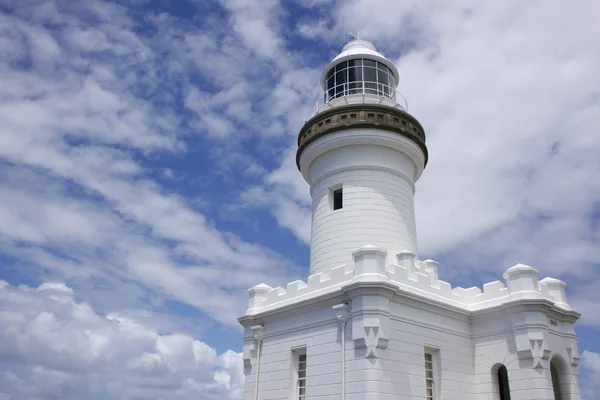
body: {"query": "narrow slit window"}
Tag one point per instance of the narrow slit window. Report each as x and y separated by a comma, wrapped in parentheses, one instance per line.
(433, 373)
(429, 379)
(338, 201)
(301, 379)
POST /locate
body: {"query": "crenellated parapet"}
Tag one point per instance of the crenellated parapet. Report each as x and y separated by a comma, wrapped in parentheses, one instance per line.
(412, 276)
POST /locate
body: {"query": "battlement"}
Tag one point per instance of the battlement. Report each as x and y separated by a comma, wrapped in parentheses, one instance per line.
(411, 276)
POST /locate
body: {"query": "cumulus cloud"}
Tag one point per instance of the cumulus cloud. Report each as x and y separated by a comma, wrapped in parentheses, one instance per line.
(53, 346)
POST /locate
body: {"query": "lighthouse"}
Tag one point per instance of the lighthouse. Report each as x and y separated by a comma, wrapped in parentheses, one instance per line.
(361, 154)
(372, 320)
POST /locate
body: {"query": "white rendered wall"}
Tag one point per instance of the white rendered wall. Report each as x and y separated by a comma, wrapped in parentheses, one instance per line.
(377, 179)
(523, 326)
(319, 332)
(469, 353)
(397, 373)
(527, 359)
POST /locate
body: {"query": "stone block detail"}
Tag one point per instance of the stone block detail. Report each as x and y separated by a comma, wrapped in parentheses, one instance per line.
(249, 353)
(556, 288)
(369, 263)
(531, 345)
(372, 339)
(573, 352)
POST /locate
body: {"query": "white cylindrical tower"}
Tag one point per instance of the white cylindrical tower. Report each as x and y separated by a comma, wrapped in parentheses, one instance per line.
(361, 154)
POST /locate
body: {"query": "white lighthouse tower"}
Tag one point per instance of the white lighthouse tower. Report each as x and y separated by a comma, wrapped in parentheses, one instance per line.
(372, 321)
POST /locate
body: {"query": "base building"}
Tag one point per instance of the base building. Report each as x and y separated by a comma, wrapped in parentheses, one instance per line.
(372, 321)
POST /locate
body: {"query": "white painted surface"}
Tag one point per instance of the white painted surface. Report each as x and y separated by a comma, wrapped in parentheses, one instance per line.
(376, 171)
(394, 317)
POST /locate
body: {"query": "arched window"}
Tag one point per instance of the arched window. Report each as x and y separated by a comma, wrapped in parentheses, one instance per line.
(554, 372)
(503, 387)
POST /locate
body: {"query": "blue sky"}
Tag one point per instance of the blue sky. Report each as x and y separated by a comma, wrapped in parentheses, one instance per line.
(147, 171)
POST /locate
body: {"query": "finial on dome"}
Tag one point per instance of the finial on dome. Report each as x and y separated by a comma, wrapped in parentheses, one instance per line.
(359, 33)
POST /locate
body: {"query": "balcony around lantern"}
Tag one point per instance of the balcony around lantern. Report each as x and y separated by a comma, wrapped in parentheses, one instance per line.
(381, 94)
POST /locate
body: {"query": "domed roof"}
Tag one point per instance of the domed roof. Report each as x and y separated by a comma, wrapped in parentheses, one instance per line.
(359, 46)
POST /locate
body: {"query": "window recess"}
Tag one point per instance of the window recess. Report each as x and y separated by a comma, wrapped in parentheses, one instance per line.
(432, 374)
(299, 370)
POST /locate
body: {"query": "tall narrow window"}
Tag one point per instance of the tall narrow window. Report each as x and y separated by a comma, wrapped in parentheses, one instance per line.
(429, 376)
(301, 377)
(555, 380)
(503, 387)
(337, 199)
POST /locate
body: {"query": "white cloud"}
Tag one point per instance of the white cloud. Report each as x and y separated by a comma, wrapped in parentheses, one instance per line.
(55, 347)
(591, 361)
(315, 30)
(590, 386)
(255, 21)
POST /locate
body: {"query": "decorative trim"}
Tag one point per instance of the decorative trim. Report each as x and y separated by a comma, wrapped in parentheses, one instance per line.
(361, 116)
(372, 339)
(573, 352)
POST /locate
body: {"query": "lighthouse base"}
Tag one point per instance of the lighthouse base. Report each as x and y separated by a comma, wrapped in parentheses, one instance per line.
(409, 335)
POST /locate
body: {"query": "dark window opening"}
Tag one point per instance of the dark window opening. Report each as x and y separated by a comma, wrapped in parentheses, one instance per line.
(337, 199)
(503, 387)
(555, 380)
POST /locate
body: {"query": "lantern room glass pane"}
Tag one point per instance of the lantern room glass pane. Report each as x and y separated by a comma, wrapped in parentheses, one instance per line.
(354, 74)
(371, 87)
(382, 77)
(355, 63)
(369, 63)
(370, 74)
(355, 87)
(340, 82)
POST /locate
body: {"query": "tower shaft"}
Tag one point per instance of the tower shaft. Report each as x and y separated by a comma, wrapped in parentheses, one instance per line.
(362, 161)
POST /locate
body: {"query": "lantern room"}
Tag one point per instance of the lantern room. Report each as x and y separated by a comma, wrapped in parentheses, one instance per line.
(359, 69)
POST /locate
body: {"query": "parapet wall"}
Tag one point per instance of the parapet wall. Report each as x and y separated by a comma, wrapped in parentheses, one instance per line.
(411, 276)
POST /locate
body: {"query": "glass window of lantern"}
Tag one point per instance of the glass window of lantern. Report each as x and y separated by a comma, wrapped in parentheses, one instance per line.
(369, 63)
(360, 76)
